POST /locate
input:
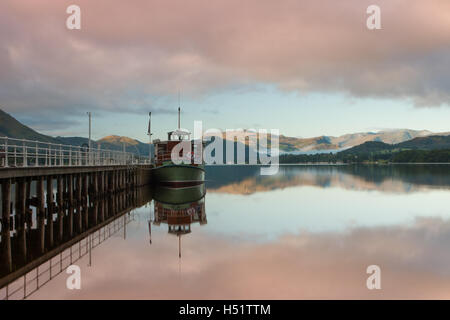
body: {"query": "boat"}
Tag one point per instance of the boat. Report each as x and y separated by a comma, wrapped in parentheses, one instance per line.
(187, 173)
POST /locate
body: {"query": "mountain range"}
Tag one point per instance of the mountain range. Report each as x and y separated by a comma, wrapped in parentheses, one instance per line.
(10, 127)
(327, 144)
(419, 143)
(346, 141)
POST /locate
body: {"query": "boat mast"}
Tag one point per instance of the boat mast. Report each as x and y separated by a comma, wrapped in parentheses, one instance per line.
(149, 132)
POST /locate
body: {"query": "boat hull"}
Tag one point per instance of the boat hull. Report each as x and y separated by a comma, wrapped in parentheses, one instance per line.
(179, 196)
(178, 175)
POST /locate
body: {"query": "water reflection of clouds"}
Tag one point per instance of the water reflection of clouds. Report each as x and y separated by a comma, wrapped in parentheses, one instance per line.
(414, 260)
(308, 234)
(265, 216)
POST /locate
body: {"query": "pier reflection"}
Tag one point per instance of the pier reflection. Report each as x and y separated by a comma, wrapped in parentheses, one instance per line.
(179, 208)
(37, 246)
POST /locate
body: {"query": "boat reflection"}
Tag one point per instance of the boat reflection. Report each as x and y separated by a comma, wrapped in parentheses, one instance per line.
(179, 208)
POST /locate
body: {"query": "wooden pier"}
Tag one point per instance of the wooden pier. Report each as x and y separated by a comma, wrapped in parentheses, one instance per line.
(42, 206)
(54, 196)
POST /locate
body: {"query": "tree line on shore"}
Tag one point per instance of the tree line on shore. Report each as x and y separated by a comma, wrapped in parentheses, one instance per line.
(394, 156)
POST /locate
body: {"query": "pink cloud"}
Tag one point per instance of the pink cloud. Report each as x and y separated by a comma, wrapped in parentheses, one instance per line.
(156, 47)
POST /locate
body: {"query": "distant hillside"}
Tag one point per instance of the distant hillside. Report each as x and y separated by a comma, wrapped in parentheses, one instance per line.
(387, 136)
(290, 144)
(110, 143)
(10, 127)
(427, 143)
(74, 141)
(330, 143)
(421, 143)
(119, 140)
(369, 147)
(422, 149)
(131, 145)
(349, 140)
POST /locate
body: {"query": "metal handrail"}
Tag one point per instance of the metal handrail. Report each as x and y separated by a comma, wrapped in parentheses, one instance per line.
(23, 153)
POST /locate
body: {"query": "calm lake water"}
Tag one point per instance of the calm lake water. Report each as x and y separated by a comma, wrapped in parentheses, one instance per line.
(308, 232)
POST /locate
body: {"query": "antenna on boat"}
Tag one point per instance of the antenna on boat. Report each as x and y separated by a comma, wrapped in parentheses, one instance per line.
(149, 132)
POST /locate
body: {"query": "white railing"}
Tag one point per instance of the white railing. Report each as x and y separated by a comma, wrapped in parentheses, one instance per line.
(27, 153)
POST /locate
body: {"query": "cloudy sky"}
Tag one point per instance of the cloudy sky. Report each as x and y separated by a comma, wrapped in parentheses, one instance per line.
(306, 67)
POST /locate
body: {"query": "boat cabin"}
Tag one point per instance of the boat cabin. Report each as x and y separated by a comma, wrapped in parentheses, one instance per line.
(163, 149)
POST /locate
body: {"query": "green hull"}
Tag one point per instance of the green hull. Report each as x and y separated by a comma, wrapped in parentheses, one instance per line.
(178, 174)
(178, 196)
